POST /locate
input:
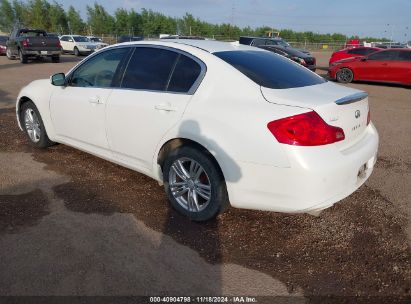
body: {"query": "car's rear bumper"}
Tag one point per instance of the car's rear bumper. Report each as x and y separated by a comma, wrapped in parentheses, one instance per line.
(317, 178)
(41, 53)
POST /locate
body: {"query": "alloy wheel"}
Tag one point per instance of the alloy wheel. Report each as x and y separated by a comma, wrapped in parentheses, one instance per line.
(345, 75)
(189, 184)
(32, 125)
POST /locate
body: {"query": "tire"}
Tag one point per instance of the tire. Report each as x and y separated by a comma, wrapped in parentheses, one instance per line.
(76, 51)
(34, 126)
(9, 55)
(55, 59)
(23, 58)
(344, 75)
(208, 175)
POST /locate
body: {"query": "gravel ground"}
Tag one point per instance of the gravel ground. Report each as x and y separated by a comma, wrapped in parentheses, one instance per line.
(73, 224)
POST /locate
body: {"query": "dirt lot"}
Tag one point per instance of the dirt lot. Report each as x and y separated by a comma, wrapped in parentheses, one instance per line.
(73, 224)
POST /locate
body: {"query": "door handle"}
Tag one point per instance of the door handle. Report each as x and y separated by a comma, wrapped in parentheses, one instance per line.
(94, 99)
(165, 107)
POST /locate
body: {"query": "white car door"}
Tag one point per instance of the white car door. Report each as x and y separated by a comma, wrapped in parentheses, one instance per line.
(156, 87)
(63, 42)
(78, 109)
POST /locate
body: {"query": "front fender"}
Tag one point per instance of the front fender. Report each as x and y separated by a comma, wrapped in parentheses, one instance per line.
(39, 92)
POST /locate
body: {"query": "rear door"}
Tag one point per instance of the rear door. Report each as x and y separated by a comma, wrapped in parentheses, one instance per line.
(399, 69)
(157, 85)
(377, 67)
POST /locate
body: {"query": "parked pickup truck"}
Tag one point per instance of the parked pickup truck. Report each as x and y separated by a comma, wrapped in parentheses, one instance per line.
(28, 43)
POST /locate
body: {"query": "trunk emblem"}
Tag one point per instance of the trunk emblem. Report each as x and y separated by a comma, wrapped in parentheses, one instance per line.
(357, 114)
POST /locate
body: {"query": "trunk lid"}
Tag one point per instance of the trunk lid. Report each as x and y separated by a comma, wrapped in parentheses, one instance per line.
(337, 105)
(43, 43)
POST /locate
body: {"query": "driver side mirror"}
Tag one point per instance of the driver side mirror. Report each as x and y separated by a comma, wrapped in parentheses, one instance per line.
(58, 79)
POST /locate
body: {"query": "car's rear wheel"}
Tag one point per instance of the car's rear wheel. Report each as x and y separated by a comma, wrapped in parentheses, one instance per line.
(194, 184)
(9, 55)
(76, 51)
(32, 123)
(23, 58)
(55, 59)
(345, 75)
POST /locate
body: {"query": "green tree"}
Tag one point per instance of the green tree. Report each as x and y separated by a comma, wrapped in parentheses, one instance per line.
(99, 21)
(58, 18)
(134, 23)
(6, 16)
(122, 21)
(38, 18)
(21, 12)
(75, 24)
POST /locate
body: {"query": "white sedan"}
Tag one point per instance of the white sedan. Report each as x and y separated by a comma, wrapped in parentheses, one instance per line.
(219, 124)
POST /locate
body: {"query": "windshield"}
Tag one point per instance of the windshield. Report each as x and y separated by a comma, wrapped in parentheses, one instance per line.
(3, 39)
(270, 70)
(80, 39)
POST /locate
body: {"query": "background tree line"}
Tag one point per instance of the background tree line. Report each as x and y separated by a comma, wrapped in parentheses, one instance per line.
(52, 17)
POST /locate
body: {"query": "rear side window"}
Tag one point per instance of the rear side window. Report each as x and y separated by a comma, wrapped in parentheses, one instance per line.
(149, 69)
(405, 56)
(384, 55)
(270, 70)
(358, 51)
(185, 74)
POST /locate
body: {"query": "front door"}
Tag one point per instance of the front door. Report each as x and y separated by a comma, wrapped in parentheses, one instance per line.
(78, 110)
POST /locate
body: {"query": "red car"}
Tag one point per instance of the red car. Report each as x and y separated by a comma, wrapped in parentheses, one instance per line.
(352, 52)
(3, 40)
(391, 65)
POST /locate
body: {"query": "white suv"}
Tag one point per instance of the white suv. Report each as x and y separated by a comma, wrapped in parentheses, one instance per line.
(77, 44)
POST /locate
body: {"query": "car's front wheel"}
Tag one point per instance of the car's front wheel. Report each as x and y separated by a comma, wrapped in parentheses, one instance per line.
(9, 55)
(76, 51)
(345, 75)
(32, 123)
(194, 184)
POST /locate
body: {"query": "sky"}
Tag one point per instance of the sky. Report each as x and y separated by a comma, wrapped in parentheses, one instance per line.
(377, 18)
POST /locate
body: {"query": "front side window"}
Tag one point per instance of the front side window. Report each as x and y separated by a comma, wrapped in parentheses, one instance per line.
(99, 70)
(149, 69)
(269, 70)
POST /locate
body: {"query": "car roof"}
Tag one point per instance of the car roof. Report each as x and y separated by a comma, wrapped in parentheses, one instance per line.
(211, 46)
(256, 37)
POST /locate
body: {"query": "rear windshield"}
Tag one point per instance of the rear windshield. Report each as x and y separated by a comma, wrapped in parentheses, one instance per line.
(270, 70)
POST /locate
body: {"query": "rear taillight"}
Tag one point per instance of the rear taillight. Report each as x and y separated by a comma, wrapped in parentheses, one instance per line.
(307, 129)
(59, 44)
(368, 116)
(25, 43)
